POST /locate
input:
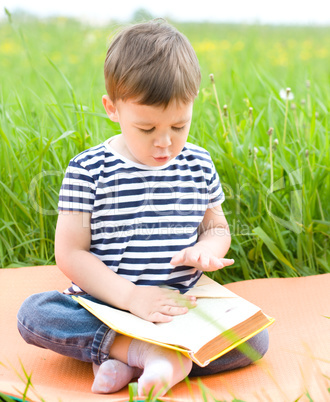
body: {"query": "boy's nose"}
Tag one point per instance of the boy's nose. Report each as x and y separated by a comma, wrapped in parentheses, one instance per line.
(163, 140)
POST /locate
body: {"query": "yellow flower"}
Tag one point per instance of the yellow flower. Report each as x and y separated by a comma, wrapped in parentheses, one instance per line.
(56, 56)
(73, 59)
(204, 46)
(321, 53)
(224, 44)
(305, 54)
(8, 47)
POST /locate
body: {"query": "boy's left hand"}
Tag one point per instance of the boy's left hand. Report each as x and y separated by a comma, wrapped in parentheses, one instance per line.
(201, 258)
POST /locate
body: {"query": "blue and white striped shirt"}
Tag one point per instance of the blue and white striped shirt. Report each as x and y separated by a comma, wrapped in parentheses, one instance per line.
(141, 216)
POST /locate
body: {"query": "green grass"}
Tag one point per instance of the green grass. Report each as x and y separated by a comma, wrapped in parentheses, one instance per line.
(51, 77)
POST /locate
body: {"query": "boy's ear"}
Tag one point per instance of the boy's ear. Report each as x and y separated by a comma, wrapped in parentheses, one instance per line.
(110, 108)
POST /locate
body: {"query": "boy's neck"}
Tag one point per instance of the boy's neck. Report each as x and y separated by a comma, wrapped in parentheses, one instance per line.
(117, 143)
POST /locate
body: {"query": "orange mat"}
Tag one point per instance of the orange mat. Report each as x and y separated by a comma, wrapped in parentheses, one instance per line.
(297, 362)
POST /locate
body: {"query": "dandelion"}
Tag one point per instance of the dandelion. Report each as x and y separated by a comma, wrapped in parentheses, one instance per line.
(225, 110)
(275, 144)
(286, 94)
(251, 114)
(247, 102)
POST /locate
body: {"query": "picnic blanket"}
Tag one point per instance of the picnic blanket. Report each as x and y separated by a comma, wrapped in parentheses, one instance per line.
(297, 364)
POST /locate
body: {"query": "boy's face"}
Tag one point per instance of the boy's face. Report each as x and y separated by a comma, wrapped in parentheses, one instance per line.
(151, 135)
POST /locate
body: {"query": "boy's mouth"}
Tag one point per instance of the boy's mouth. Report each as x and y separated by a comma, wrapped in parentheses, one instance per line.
(161, 158)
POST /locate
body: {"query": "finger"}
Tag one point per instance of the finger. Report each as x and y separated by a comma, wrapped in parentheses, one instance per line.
(159, 317)
(192, 258)
(189, 302)
(178, 258)
(175, 299)
(204, 261)
(227, 261)
(216, 263)
(170, 298)
(173, 310)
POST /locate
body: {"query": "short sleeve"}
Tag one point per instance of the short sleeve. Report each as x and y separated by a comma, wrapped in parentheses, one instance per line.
(77, 192)
(216, 194)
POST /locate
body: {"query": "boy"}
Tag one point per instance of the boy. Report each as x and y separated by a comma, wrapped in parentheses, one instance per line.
(140, 218)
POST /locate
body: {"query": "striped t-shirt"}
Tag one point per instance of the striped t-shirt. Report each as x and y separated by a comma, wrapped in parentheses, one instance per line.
(141, 216)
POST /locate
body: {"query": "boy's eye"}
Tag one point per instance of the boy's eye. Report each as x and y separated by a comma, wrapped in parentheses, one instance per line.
(178, 128)
(150, 130)
(147, 131)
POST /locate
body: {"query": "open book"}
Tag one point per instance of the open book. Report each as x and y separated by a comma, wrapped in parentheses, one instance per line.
(220, 322)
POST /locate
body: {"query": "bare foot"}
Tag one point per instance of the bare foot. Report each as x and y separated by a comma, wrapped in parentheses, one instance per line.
(163, 368)
(112, 376)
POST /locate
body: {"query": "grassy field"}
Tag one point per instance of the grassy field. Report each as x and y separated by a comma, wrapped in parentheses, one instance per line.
(271, 152)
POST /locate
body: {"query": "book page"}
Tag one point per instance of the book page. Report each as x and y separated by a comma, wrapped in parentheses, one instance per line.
(124, 321)
(192, 330)
(207, 287)
(211, 317)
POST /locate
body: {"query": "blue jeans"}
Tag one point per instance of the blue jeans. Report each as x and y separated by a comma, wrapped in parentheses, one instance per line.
(55, 321)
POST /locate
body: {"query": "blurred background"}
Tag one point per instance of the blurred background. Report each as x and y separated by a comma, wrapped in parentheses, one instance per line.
(235, 11)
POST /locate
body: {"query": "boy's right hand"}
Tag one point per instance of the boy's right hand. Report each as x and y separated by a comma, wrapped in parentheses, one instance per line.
(156, 304)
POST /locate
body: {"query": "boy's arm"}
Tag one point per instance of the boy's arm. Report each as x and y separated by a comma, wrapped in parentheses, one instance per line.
(212, 244)
(72, 245)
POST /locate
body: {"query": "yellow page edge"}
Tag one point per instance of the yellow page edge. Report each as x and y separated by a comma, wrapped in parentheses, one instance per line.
(234, 345)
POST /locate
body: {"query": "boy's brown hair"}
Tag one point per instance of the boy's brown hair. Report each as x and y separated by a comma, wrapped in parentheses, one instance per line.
(153, 63)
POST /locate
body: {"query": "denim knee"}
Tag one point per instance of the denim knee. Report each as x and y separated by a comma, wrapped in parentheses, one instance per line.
(260, 344)
(235, 358)
(28, 318)
(55, 321)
